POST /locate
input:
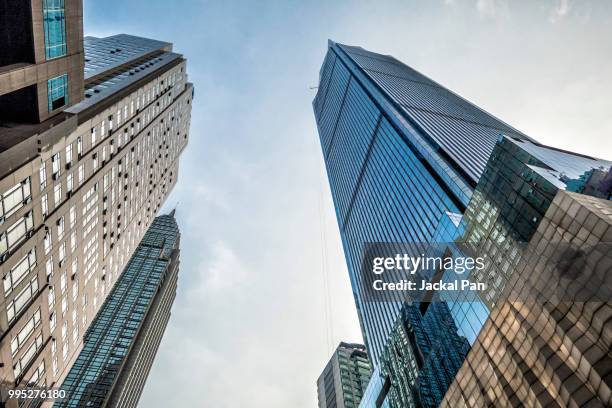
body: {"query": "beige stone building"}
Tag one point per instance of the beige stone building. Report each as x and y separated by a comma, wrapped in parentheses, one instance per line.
(90, 137)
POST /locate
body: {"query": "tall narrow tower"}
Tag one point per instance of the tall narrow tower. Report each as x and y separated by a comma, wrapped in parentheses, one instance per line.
(121, 343)
(409, 161)
(345, 377)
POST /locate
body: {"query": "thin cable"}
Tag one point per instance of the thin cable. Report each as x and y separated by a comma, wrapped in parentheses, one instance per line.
(324, 252)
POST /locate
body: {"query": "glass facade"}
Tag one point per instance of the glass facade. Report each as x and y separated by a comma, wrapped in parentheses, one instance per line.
(118, 327)
(57, 92)
(54, 21)
(409, 161)
(390, 180)
(537, 350)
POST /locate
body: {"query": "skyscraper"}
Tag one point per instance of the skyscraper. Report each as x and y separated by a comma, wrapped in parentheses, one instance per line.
(556, 352)
(410, 161)
(345, 377)
(120, 344)
(90, 138)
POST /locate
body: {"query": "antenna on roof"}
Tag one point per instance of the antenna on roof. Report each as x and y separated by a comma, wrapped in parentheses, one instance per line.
(174, 209)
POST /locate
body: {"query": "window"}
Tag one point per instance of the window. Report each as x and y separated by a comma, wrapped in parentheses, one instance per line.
(72, 216)
(75, 334)
(49, 267)
(28, 356)
(55, 165)
(63, 282)
(14, 198)
(19, 271)
(93, 136)
(38, 374)
(16, 233)
(54, 23)
(21, 300)
(24, 334)
(43, 176)
(73, 241)
(69, 153)
(57, 195)
(44, 205)
(102, 129)
(52, 324)
(47, 244)
(62, 253)
(60, 227)
(51, 300)
(81, 173)
(79, 145)
(75, 291)
(69, 182)
(57, 92)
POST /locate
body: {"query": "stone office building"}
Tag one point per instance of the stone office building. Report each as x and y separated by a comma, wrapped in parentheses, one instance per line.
(90, 137)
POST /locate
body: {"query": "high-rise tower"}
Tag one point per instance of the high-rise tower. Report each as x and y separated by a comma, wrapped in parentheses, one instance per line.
(409, 161)
(86, 161)
(345, 377)
(120, 344)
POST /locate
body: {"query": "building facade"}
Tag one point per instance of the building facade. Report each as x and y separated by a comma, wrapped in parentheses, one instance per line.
(41, 67)
(345, 377)
(120, 344)
(81, 180)
(409, 161)
(557, 352)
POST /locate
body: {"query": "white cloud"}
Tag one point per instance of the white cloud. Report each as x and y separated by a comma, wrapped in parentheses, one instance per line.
(486, 8)
(224, 271)
(560, 10)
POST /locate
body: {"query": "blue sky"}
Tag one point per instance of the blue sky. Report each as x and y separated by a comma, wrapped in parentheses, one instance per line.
(264, 293)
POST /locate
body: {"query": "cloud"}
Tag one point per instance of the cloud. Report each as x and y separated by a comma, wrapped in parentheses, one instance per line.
(560, 10)
(223, 271)
(486, 8)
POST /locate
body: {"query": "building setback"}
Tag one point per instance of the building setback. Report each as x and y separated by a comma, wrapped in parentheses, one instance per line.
(84, 169)
(121, 343)
(345, 377)
(409, 161)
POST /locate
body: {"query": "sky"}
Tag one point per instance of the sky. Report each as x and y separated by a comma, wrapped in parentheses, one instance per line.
(264, 295)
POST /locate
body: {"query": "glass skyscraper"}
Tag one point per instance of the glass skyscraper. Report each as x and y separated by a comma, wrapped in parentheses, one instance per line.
(120, 344)
(409, 161)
